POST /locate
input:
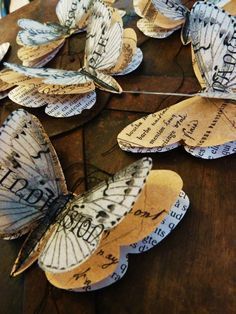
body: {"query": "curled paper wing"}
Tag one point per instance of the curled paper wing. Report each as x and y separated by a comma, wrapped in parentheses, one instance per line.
(158, 196)
(64, 229)
(168, 224)
(134, 63)
(59, 106)
(72, 14)
(156, 24)
(196, 122)
(34, 33)
(31, 176)
(212, 152)
(172, 9)
(212, 32)
(38, 56)
(79, 229)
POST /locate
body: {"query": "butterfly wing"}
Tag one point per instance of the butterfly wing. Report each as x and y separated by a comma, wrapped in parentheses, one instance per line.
(80, 228)
(51, 76)
(213, 36)
(103, 45)
(34, 33)
(173, 9)
(71, 13)
(30, 174)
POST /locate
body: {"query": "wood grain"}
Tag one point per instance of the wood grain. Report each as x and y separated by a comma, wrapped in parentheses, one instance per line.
(192, 271)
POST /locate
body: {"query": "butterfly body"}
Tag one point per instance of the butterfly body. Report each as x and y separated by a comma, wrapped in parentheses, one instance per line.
(35, 236)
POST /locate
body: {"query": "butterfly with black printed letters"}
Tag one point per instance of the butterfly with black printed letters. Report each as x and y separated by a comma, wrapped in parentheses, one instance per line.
(64, 228)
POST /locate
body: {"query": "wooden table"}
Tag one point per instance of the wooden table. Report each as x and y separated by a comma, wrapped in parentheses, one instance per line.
(192, 271)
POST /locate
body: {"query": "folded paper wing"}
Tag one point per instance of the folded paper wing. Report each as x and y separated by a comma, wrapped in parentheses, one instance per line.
(197, 121)
(153, 205)
(159, 18)
(171, 220)
(41, 42)
(212, 33)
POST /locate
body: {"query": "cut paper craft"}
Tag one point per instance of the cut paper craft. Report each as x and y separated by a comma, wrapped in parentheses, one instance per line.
(198, 123)
(111, 50)
(153, 206)
(160, 18)
(212, 152)
(59, 106)
(65, 229)
(212, 32)
(161, 232)
(43, 40)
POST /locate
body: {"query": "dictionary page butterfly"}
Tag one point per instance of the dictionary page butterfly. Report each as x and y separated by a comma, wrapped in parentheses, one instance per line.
(205, 126)
(102, 50)
(111, 50)
(161, 191)
(64, 228)
(213, 37)
(42, 41)
(160, 18)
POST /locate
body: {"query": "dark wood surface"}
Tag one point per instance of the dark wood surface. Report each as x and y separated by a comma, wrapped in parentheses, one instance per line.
(193, 270)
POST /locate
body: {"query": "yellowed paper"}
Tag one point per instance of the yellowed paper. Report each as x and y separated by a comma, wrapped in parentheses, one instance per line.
(129, 47)
(146, 9)
(66, 89)
(230, 7)
(159, 194)
(196, 121)
(30, 55)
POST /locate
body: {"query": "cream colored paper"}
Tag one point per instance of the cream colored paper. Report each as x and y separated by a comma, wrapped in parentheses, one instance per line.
(59, 106)
(196, 121)
(212, 152)
(174, 217)
(159, 194)
(39, 55)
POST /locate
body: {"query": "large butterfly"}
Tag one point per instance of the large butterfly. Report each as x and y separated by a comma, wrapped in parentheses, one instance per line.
(42, 41)
(65, 229)
(160, 18)
(102, 51)
(213, 37)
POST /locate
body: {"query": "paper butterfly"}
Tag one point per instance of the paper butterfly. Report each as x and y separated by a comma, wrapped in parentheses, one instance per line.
(213, 36)
(42, 41)
(160, 18)
(206, 128)
(109, 50)
(65, 229)
(102, 50)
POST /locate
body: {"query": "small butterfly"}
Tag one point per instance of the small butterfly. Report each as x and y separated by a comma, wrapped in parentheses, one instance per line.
(160, 18)
(102, 50)
(109, 49)
(42, 41)
(65, 228)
